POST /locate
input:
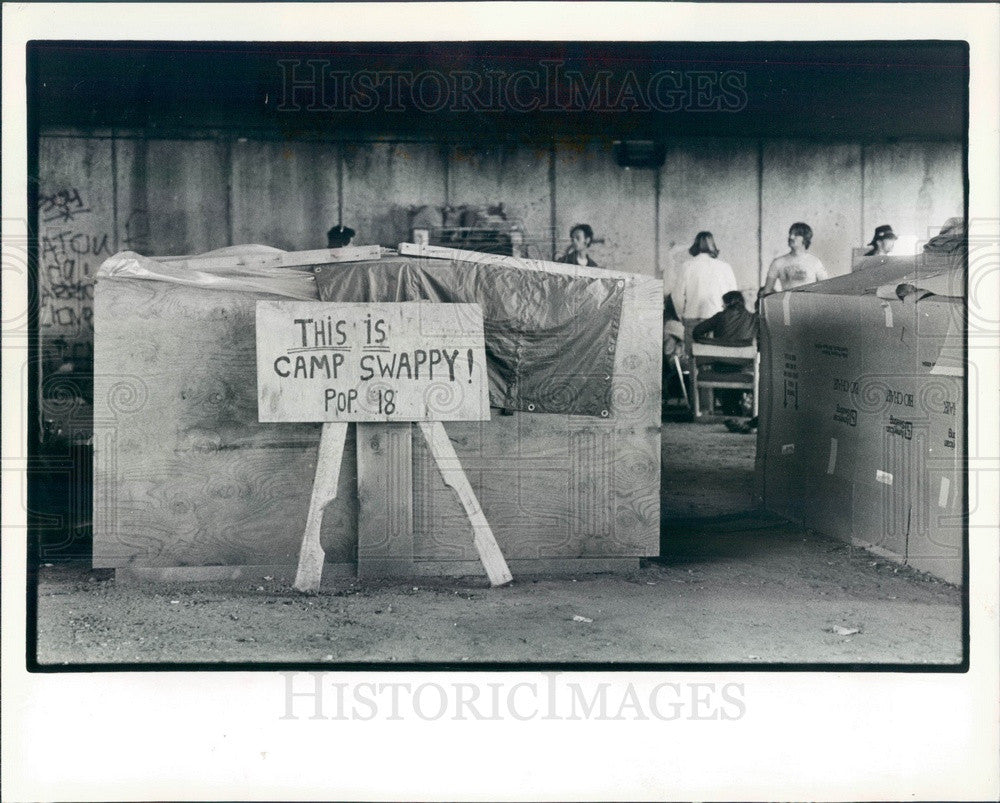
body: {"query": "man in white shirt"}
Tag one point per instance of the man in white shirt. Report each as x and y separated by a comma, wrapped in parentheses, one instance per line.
(798, 266)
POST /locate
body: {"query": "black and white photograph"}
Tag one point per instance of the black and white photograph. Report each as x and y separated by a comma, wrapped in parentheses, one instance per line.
(530, 352)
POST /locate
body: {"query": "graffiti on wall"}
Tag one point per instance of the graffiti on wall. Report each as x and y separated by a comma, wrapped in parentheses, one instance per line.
(71, 247)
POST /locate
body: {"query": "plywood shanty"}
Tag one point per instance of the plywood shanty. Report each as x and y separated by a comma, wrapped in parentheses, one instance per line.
(184, 473)
(561, 485)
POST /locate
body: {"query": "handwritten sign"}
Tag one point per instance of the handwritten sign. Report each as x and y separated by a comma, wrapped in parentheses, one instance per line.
(411, 361)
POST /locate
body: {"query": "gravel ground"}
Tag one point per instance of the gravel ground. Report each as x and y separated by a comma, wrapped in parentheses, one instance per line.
(731, 587)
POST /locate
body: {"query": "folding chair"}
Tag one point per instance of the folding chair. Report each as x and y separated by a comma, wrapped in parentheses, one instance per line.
(747, 378)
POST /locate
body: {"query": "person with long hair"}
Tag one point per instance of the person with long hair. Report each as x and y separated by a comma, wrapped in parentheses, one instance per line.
(702, 281)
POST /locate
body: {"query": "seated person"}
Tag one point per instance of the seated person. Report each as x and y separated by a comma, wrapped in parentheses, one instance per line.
(734, 326)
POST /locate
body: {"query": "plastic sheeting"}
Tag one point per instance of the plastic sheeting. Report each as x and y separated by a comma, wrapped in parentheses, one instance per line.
(202, 271)
(550, 338)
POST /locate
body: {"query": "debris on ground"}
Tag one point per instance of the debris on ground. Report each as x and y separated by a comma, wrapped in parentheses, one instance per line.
(845, 631)
(582, 619)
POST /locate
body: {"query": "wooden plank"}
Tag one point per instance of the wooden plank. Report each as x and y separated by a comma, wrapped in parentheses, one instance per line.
(154, 507)
(385, 497)
(284, 259)
(451, 471)
(184, 472)
(311, 555)
(460, 255)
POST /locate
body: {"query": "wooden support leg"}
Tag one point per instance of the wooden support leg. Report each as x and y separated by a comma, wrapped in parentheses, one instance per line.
(454, 477)
(311, 555)
(680, 376)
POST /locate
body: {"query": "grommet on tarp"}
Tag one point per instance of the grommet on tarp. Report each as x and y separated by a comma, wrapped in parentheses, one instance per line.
(531, 408)
(621, 282)
(604, 413)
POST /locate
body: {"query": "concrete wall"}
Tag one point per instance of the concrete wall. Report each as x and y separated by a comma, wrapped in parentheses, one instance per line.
(99, 194)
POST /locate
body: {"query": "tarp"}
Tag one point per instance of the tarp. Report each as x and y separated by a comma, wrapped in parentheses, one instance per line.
(550, 338)
(862, 411)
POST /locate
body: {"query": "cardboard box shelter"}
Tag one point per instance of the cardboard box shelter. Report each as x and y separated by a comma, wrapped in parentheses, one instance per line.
(862, 422)
(189, 484)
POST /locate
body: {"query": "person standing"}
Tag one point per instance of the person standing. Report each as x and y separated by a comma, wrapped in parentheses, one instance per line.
(796, 268)
(702, 281)
(581, 236)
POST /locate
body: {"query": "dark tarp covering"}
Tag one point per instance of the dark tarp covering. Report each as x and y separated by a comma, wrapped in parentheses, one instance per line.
(550, 338)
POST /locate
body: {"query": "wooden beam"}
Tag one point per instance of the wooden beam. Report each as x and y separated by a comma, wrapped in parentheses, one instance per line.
(385, 495)
(460, 255)
(283, 259)
(311, 555)
(454, 477)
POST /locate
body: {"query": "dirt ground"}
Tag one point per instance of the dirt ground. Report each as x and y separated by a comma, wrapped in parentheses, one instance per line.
(732, 586)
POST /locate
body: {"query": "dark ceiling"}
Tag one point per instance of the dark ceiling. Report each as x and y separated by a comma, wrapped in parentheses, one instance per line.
(494, 91)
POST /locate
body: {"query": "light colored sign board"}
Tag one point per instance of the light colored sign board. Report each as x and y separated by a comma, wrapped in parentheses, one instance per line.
(410, 361)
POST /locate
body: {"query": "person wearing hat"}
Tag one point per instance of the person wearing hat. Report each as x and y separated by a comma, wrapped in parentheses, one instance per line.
(339, 236)
(882, 242)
